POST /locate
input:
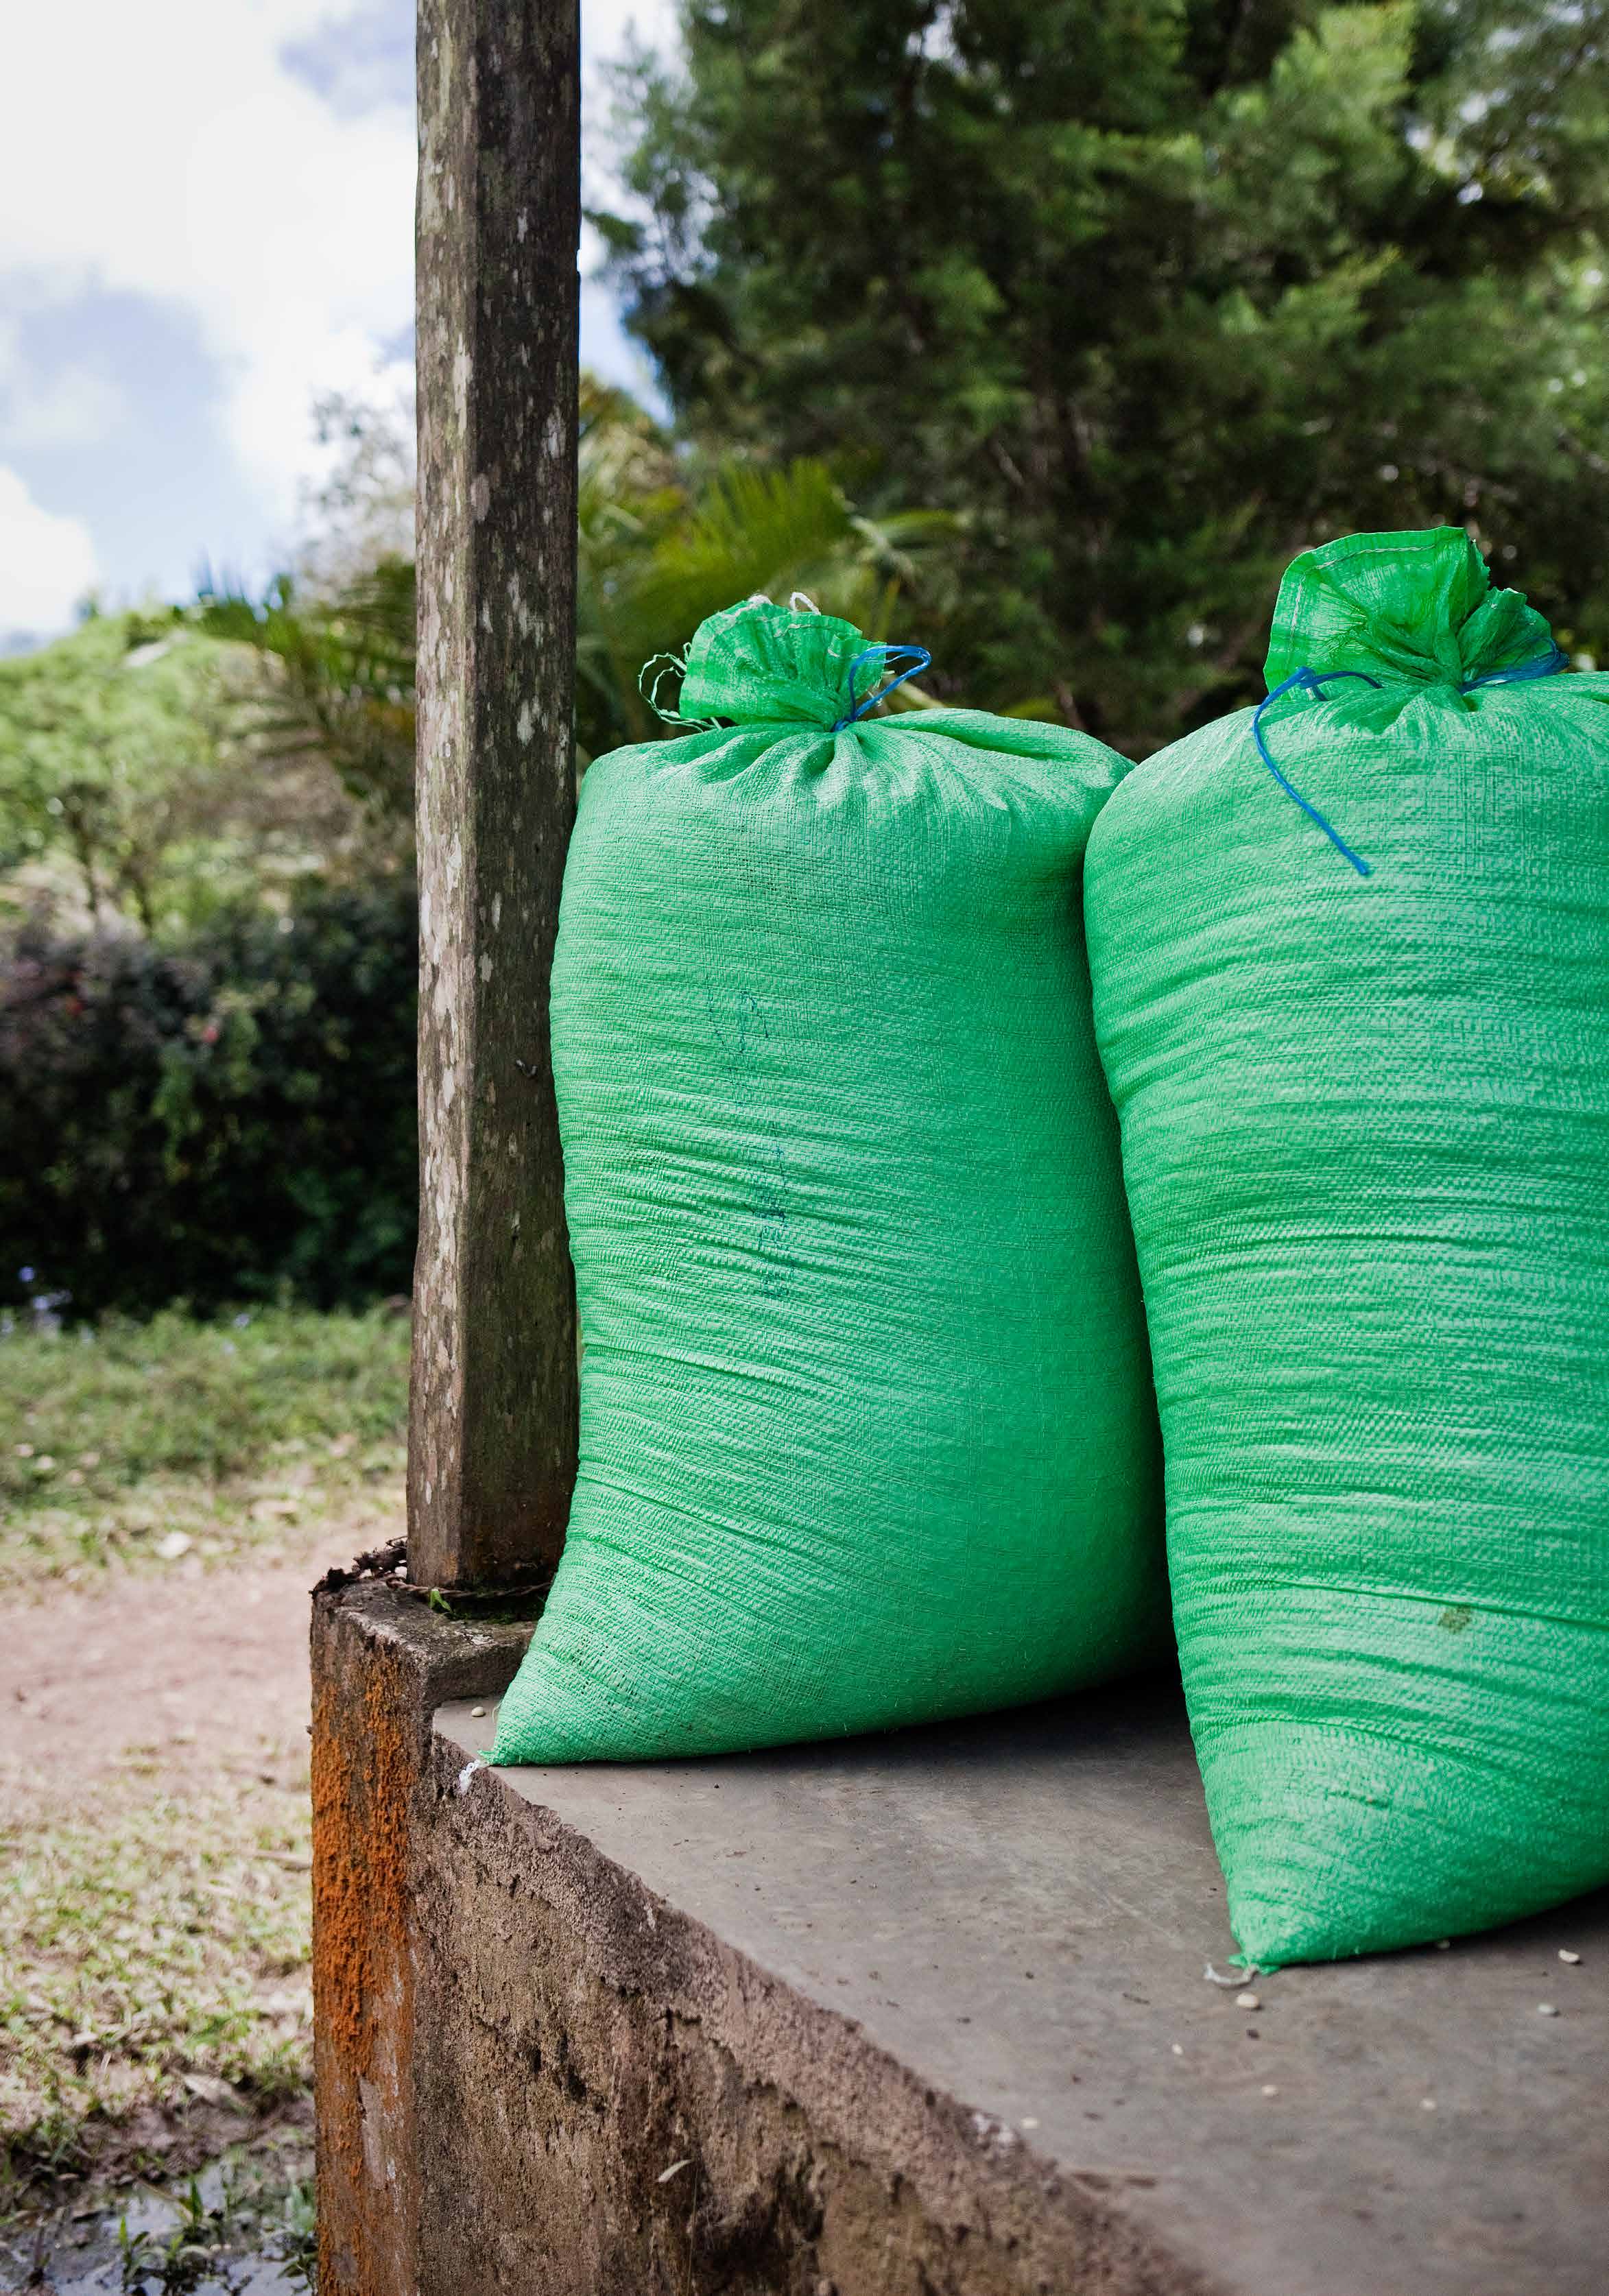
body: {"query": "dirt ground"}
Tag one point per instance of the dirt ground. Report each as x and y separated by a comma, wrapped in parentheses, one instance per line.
(153, 1836)
(180, 1669)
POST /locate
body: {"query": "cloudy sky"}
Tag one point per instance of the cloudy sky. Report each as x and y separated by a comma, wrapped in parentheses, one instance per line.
(206, 217)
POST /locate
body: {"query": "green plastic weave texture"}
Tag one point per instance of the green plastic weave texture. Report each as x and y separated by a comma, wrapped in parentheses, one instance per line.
(1366, 1140)
(868, 1435)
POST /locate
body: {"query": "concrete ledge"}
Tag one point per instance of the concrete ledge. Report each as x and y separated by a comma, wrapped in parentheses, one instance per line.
(922, 2016)
(382, 1662)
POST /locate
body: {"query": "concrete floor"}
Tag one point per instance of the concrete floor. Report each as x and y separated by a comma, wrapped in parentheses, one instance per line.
(1019, 1912)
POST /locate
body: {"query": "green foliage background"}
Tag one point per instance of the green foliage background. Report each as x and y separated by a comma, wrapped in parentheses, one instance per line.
(227, 1117)
(1151, 293)
(1044, 331)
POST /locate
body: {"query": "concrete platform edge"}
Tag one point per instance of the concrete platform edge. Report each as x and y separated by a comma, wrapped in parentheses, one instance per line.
(535, 2075)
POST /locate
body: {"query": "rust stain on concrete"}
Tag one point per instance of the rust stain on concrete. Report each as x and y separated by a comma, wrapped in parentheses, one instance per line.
(365, 1766)
(380, 1665)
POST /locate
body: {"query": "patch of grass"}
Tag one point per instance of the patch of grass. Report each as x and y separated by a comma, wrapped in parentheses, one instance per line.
(209, 2228)
(123, 1442)
(150, 1956)
(299, 2232)
(246, 2219)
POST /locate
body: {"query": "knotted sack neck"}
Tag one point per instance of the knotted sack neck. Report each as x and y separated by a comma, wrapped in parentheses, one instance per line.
(762, 664)
(1415, 608)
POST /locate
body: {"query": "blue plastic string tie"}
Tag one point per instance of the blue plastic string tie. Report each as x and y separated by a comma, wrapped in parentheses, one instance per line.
(918, 657)
(1543, 665)
(1309, 681)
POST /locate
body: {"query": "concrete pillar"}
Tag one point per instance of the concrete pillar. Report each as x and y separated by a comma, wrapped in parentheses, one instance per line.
(492, 1448)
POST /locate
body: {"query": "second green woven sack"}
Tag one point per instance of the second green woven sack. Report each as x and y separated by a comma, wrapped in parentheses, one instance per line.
(1352, 982)
(867, 1434)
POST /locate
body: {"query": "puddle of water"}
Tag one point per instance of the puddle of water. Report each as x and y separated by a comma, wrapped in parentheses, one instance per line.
(242, 2227)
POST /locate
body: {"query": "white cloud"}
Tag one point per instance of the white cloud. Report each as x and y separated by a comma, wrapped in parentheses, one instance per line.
(608, 29)
(177, 153)
(46, 562)
(177, 157)
(606, 23)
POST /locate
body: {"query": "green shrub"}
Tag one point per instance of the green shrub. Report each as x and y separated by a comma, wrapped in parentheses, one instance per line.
(227, 1118)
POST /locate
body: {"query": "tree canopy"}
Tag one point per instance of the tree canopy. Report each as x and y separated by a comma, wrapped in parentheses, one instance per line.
(1150, 294)
(147, 773)
(664, 538)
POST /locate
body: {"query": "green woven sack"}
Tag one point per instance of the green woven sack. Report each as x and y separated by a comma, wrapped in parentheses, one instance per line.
(1357, 1026)
(868, 1435)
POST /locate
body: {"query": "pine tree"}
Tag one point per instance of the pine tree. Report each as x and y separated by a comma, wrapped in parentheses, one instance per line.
(1156, 292)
